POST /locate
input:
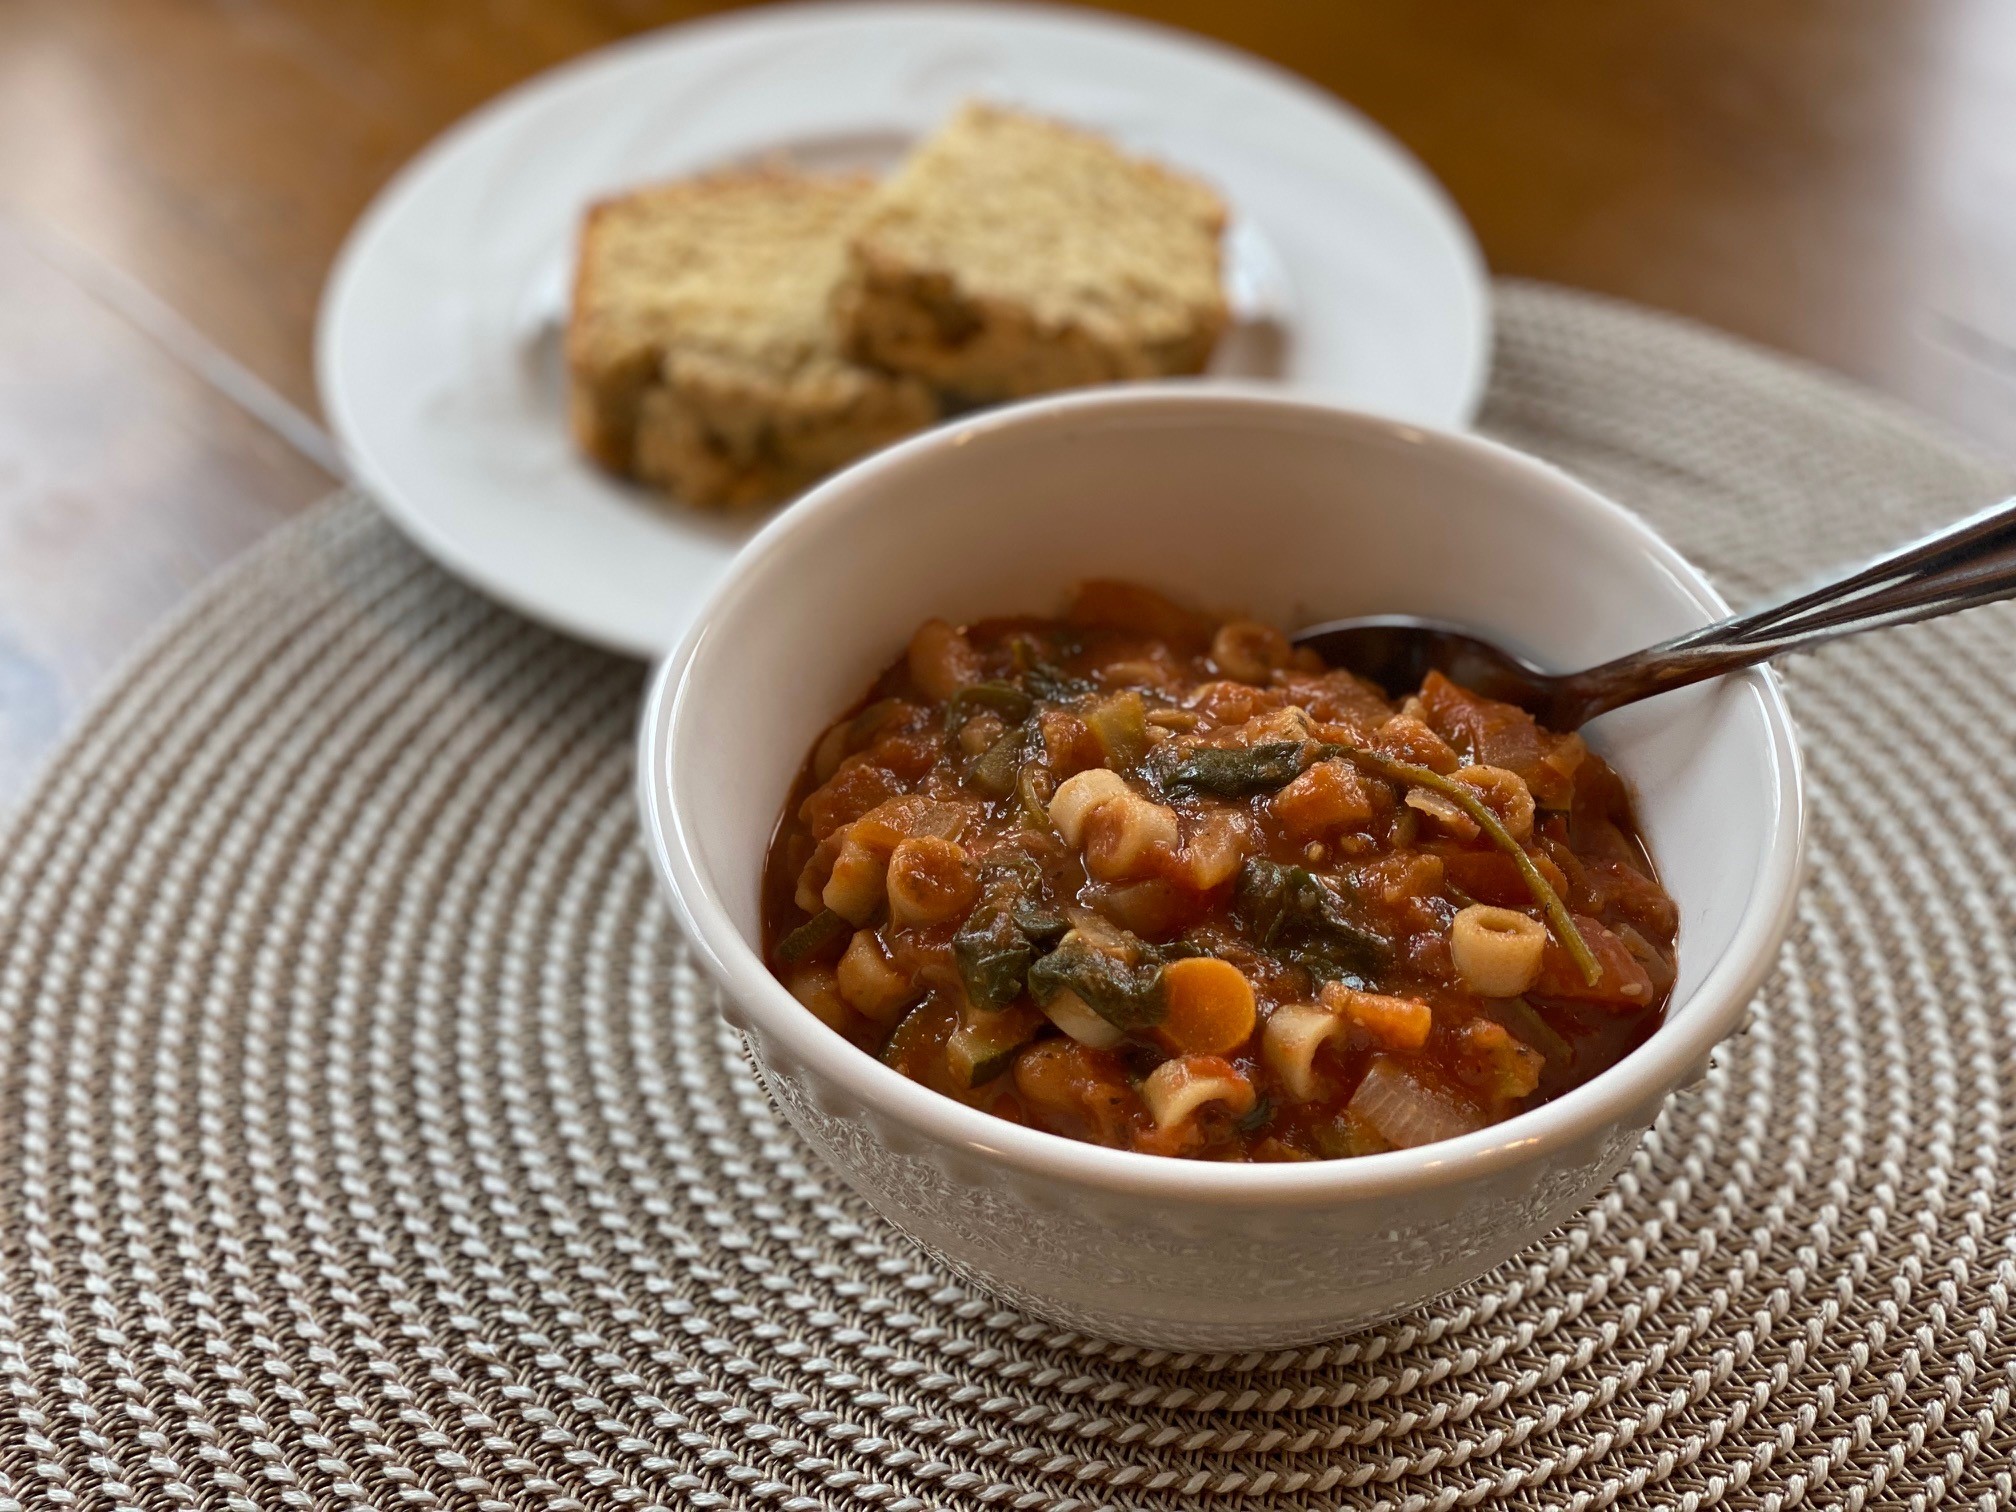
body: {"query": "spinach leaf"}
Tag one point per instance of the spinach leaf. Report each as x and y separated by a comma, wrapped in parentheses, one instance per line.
(1010, 868)
(1036, 921)
(1330, 962)
(1301, 917)
(1123, 995)
(1175, 950)
(1054, 684)
(1232, 771)
(995, 945)
(1272, 898)
(1041, 676)
(993, 955)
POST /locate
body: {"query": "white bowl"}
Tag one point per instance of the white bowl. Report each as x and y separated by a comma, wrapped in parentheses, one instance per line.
(1296, 511)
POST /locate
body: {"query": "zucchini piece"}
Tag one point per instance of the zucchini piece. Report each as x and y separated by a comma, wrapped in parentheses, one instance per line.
(995, 769)
(1068, 1012)
(814, 937)
(1029, 793)
(1120, 724)
(984, 1044)
(911, 1036)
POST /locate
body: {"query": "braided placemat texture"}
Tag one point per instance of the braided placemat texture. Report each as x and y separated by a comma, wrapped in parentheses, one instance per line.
(366, 1139)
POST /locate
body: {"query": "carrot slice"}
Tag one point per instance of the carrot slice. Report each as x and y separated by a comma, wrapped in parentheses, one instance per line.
(1209, 1002)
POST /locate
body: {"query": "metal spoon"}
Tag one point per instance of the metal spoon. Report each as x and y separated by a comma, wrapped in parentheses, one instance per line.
(1970, 562)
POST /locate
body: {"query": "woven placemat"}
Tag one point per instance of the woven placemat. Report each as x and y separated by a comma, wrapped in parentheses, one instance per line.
(366, 1139)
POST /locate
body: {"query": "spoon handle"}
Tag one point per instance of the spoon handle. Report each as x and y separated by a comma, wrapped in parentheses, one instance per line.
(1970, 562)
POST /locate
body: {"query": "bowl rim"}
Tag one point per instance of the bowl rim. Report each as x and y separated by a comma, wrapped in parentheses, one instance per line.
(1677, 1051)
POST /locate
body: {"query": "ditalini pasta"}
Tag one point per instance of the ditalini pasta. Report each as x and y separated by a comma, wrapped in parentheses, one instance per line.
(1158, 880)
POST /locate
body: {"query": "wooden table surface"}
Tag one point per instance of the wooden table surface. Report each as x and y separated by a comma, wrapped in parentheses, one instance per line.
(1836, 178)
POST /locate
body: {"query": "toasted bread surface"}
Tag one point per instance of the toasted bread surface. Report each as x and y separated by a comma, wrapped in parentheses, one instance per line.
(1012, 255)
(701, 351)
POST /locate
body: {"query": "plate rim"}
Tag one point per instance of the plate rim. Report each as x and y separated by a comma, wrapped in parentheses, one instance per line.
(560, 613)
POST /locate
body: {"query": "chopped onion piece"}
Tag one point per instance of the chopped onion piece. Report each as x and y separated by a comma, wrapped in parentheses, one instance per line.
(1406, 1111)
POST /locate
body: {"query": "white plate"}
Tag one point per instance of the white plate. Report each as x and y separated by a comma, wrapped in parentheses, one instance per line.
(438, 353)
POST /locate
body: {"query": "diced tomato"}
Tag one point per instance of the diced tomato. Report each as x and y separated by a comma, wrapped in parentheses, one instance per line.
(1224, 704)
(1068, 743)
(1074, 1090)
(1621, 984)
(1624, 893)
(853, 791)
(908, 756)
(1327, 798)
(1497, 734)
(1489, 876)
(1338, 698)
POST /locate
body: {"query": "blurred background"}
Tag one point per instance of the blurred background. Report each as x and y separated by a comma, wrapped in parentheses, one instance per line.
(1833, 178)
